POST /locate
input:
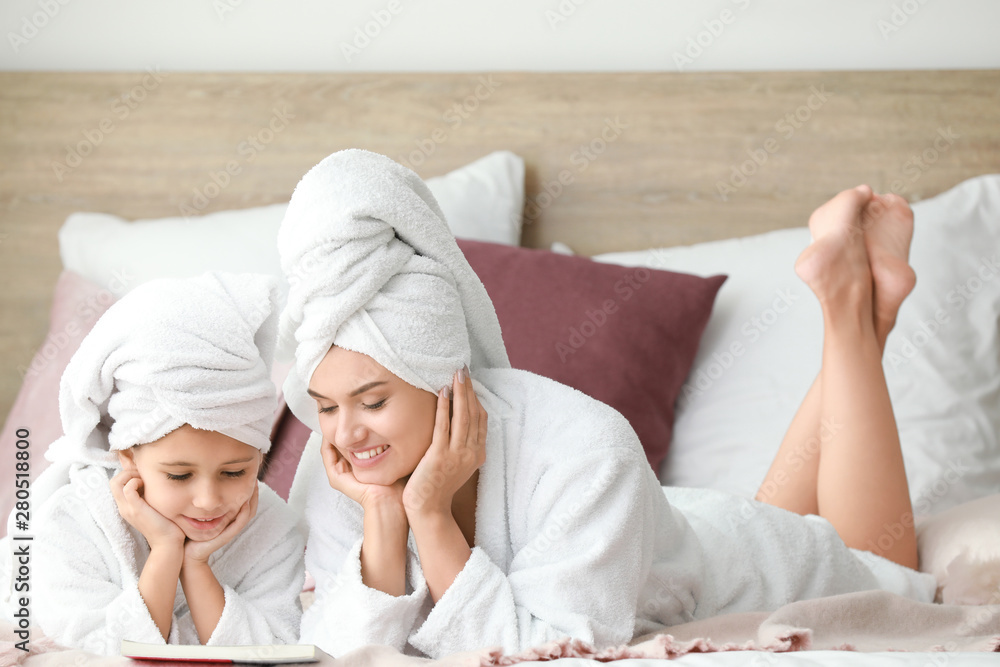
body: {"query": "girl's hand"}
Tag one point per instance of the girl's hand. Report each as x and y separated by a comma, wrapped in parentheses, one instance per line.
(198, 552)
(369, 496)
(458, 448)
(159, 531)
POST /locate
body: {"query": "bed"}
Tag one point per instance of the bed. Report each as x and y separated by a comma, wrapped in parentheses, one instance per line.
(700, 173)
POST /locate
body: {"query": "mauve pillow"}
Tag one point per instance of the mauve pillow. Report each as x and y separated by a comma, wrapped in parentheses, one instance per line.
(625, 336)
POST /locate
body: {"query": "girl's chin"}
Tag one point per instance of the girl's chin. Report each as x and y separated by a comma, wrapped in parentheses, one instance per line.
(203, 536)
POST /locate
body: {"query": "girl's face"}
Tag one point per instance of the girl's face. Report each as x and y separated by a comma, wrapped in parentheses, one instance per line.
(197, 479)
(381, 424)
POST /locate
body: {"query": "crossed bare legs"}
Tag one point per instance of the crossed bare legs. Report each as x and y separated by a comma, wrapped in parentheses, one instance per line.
(841, 457)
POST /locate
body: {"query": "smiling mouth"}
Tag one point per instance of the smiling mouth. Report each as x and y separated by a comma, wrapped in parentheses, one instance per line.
(370, 453)
(205, 524)
(369, 457)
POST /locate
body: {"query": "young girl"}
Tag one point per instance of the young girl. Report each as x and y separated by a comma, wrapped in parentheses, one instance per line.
(151, 524)
(435, 534)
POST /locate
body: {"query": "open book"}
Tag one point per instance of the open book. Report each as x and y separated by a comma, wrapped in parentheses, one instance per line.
(263, 654)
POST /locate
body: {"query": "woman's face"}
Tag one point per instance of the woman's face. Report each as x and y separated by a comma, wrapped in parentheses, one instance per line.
(380, 424)
(197, 479)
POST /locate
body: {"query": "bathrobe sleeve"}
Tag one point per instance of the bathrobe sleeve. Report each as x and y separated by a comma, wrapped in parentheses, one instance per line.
(82, 597)
(346, 614)
(261, 572)
(582, 550)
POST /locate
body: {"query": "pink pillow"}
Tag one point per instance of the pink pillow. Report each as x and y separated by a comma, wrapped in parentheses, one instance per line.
(76, 306)
(625, 336)
(961, 548)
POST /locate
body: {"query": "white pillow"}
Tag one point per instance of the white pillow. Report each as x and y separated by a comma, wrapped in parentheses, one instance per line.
(761, 351)
(483, 201)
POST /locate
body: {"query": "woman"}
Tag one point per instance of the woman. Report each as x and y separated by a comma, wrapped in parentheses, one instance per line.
(432, 533)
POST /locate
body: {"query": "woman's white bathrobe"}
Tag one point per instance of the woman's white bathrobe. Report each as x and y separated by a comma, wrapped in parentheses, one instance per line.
(87, 561)
(574, 536)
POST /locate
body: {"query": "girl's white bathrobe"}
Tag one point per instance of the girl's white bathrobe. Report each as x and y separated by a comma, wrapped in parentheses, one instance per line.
(87, 561)
(574, 536)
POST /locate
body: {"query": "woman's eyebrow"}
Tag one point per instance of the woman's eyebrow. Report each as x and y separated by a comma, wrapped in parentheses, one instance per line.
(360, 390)
(365, 387)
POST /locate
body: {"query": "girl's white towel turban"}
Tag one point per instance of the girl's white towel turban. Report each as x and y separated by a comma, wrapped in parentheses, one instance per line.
(373, 267)
(170, 352)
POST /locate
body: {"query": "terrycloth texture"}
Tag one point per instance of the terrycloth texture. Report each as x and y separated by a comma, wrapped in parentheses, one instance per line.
(574, 536)
(87, 561)
(170, 352)
(373, 268)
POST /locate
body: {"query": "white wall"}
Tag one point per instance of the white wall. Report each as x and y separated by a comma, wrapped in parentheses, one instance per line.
(545, 35)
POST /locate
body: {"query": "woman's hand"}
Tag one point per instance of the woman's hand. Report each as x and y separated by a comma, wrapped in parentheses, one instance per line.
(369, 496)
(159, 531)
(198, 552)
(385, 529)
(458, 448)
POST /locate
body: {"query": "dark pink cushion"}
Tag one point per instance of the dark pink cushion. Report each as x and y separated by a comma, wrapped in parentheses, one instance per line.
(625, 336)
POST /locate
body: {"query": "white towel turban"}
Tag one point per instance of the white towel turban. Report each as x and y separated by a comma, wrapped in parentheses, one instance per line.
(373, 267)
(170, 352)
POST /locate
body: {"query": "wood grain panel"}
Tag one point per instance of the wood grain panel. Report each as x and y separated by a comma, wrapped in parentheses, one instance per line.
(645, 159)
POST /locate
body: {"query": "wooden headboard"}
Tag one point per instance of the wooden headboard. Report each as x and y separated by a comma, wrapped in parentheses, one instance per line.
(615, 161)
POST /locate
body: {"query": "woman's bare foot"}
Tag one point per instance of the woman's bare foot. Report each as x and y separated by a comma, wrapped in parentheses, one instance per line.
(836, 264)
(887, 221)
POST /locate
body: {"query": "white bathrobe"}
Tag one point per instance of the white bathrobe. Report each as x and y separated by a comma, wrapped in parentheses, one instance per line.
(574, 536)
(87, 561)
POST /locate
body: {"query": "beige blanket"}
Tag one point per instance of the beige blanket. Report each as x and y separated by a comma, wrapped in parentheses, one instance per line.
(868, 621)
